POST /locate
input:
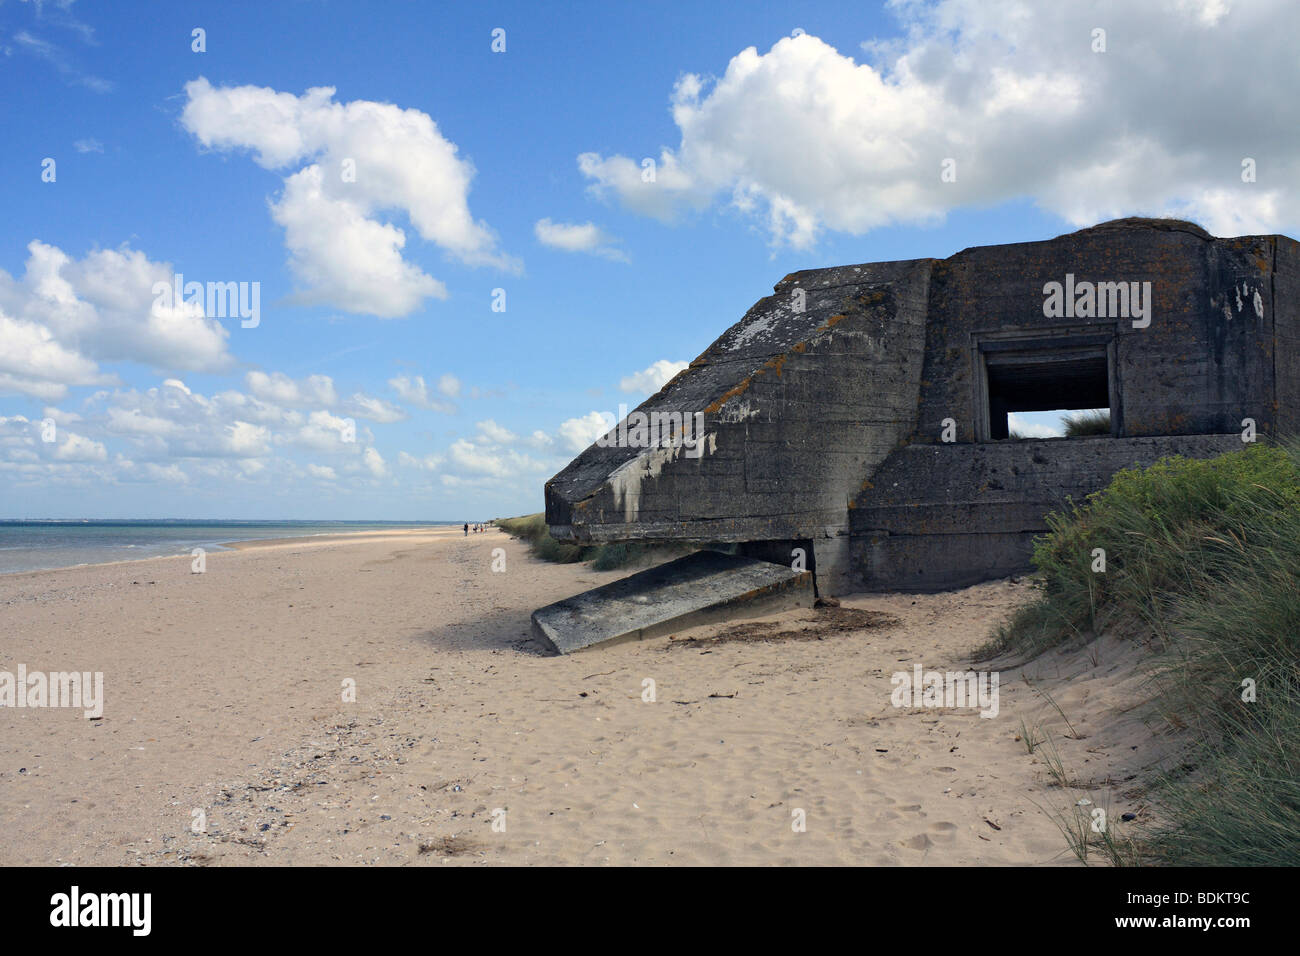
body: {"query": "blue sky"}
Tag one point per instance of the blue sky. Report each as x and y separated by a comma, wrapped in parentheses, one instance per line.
(786, 136)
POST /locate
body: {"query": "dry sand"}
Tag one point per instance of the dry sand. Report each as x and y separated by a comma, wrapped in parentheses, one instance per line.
(224, 706)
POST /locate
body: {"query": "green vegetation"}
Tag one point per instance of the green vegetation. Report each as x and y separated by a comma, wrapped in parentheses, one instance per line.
(603, 557)
(1083, 424)
(533, 529)
(1204, 557)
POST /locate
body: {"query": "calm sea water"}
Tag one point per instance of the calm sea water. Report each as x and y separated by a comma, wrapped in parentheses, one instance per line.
(38, 545)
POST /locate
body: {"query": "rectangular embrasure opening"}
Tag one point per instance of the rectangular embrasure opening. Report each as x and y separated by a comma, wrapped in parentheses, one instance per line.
(1069, 380)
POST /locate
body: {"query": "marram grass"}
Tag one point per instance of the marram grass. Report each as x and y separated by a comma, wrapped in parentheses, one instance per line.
(1202, 557)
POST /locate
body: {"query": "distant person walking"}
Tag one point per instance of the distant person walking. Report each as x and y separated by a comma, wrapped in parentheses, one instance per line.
(467, 529)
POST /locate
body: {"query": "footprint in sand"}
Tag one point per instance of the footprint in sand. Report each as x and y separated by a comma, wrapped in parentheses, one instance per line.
(938, 833)
(943, 832)
(921, 841)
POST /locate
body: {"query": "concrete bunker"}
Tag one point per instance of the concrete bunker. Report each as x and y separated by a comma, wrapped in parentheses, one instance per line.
(859, 414)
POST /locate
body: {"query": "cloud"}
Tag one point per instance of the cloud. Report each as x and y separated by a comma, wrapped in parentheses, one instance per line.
(414, 391)
(490, 431)
(133, 421)
(361, 159)
(57, 57)
(74, 447)
(803, 139)
(449, 385)
(373, 409)
(174, 434)
(425, 463)
(174, 422)
(88, 146)
(282, 390)
(651, 379)
(577, 434)
(345, 259)
(172, 474)
(479, 458)
(323, 432)
(59, 416)
(64, 316)
(1026, 429)
(318, 390)
(578, 237)
(245, 439)
(58, 13)
(33, 363)
(374, 463)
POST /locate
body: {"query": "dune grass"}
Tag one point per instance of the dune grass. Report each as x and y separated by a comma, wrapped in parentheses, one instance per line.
(533, 529)
(1083, 424)
(603, 557)
(1202, 557)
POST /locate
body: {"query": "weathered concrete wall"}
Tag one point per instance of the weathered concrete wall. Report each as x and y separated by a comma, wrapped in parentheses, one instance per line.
(1286, 355)
(1204, 363)
(943, 516)
(797, 407)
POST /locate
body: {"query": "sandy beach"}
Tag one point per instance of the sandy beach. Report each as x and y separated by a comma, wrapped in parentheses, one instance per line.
(224, 713)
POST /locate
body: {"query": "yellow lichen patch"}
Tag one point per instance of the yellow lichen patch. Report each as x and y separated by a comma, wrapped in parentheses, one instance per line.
(728, 395)
(774, 364)
(833, 321)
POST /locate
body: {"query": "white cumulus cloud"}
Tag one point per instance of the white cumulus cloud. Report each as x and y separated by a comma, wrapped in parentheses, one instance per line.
(354, 162)
(64, 316)
(283, 390)
(374, 463)
(651, 379)
(578, 237)
(577, 434)
(414, 391)
(802, 138)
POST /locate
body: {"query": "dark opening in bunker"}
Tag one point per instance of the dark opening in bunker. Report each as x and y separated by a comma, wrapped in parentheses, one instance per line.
(1043, 380)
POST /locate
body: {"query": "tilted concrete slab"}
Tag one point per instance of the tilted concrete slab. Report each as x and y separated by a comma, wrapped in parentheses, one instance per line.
(699, 588)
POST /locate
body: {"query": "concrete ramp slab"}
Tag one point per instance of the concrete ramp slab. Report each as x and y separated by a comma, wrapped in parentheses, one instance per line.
(697, 589)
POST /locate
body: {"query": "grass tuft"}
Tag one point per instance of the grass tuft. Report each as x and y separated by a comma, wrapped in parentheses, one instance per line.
(1084, 424)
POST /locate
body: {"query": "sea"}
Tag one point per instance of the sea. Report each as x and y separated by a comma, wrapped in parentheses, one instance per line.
(35, 545)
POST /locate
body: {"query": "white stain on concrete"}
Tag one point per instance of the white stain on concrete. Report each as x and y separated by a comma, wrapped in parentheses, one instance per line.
(626, 480)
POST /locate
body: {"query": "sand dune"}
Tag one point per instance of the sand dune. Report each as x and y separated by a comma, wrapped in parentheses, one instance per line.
(465, 744)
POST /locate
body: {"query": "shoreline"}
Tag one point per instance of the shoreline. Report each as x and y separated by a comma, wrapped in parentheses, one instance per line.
(244, 544)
